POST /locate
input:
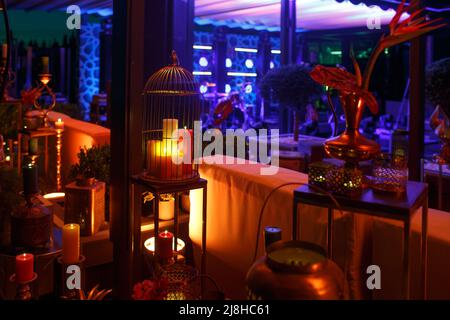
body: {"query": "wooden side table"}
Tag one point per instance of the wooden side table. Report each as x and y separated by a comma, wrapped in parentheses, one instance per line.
(401, 208)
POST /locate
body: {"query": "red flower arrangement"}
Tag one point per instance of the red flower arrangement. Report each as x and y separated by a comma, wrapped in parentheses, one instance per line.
(29, 96)
(151, 289)
(413, 26)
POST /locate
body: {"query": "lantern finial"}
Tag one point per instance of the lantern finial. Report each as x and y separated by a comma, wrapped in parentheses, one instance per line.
(174, 58)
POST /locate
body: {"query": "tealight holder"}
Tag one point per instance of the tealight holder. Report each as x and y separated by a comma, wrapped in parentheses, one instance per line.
(24, 290)
(390, 175)
(149, 246)
(317, 173)
(68, 275)
(345, 181)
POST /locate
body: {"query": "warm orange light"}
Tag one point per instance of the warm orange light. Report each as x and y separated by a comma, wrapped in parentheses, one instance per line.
(196, 215)
(59, 125)
(54, 195)
(71, 243)
(45, 79)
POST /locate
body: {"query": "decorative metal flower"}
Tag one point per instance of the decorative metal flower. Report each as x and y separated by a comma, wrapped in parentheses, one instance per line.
(151, 289)
(30, 96)
(411, 27)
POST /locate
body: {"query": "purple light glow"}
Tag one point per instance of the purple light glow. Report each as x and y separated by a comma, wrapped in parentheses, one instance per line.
(311, 14)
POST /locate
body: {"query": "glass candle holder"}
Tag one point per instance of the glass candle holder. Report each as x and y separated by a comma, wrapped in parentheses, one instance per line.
(317, 173)
(390, 174)
(345, 181)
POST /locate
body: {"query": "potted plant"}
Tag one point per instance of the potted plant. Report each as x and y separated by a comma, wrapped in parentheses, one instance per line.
(93, 163)
(292, 87)
(438, 92)
(353, 89)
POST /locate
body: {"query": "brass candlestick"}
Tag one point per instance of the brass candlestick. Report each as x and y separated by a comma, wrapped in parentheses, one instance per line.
(24, 290)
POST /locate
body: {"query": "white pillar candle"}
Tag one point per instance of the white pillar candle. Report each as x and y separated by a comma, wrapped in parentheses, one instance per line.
(167, 209)
(169, 126)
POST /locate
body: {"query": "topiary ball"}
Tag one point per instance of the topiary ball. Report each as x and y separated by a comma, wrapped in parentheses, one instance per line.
(438, 84)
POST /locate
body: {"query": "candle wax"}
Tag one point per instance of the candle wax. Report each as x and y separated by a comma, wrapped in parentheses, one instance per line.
(71, 243)
(165, 242)
(24, 267)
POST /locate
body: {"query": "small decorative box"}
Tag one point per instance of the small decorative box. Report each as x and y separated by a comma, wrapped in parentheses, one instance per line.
(85, 205)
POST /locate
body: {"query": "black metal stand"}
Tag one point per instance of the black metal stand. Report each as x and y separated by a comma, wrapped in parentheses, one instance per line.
(401, 208)
(139, 185)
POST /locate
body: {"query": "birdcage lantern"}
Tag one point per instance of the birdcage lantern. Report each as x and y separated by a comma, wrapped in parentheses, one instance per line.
(171, 107)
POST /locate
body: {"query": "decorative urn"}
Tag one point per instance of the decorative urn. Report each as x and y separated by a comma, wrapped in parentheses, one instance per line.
(295, 270)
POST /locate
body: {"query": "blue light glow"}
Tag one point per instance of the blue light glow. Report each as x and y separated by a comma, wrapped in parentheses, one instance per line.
(89, 58)
(200, 47)
(242, 74)
(228, 63)
(248, 88)
(202, 73)
(203, 88)
(249, 63)
(227, 88)
(203, 62)
(246, 50)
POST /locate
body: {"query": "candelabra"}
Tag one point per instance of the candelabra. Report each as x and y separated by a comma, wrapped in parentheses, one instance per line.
(43, 86)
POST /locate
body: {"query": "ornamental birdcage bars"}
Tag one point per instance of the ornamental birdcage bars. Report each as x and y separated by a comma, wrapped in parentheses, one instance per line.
(171, 103)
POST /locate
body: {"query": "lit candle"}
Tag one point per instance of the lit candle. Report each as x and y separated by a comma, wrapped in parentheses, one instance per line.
(59, 125)
(45, 65)
(169, 126)
(30, 179)
(165, 243)
(167, 209)
(24, 267)
(271, 235)
(71, 243)
(159, 159)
